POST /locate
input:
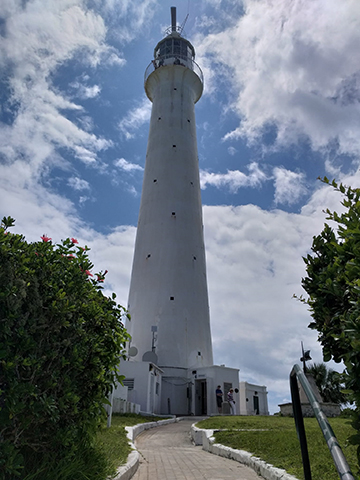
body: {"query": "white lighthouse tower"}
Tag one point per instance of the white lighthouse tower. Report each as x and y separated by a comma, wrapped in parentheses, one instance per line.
(168, 298)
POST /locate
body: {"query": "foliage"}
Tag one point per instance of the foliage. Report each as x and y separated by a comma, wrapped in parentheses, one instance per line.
(328, 382)
(274, 440)
(346, 413)
(333, 286)
(61, 341)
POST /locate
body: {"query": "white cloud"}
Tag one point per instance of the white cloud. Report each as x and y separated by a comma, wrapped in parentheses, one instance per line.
(127, 166)
(135, 119)
(254, 263)
(83, 199)
(234, 179)
(138, 16)
(289, 186)
(294, 65)
(78, 183)
(84, 92)
(38, 38)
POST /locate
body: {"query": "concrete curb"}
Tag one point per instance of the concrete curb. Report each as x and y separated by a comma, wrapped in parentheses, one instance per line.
(125, 472)
(206, 439)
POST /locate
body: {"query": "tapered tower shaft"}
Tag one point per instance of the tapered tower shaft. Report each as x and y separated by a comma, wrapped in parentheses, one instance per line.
(168, 298)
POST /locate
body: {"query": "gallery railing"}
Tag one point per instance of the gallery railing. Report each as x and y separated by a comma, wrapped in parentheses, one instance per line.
(174, 59)
(339, 459)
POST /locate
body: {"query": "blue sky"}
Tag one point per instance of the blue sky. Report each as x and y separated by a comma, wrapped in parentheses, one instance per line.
(280, 108)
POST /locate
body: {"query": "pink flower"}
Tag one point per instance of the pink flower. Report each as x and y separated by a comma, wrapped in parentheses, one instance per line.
(89, 273)
(74, 240)
(36, 254)
(105, 272)
(71, 256)
(45, 238)
(99, 278)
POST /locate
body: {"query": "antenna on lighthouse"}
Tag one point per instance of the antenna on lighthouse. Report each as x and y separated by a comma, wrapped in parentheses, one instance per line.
(183, 24)
(173, 19)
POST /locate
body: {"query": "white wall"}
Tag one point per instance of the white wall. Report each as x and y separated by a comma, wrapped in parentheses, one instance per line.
(247, 393)
(168, 288)
(121, 392)
(218, 375)
(144, 393)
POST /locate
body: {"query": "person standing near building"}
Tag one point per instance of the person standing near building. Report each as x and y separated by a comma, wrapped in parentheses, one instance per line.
(219, 398)
(230, 398)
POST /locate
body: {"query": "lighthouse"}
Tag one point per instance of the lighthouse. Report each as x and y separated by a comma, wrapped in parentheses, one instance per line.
(168, 298)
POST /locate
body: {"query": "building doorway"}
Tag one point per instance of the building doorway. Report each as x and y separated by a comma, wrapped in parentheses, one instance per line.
(256, 405)
(200, 397)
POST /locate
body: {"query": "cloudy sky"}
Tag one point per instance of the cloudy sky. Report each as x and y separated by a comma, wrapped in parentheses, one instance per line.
(280, 108)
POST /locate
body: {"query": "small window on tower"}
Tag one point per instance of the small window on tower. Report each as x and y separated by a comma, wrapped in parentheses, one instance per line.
(172, 298)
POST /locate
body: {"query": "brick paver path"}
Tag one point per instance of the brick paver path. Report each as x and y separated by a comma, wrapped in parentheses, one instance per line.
(167, 454)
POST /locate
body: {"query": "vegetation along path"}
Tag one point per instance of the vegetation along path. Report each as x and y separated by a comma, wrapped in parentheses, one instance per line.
(168, 454)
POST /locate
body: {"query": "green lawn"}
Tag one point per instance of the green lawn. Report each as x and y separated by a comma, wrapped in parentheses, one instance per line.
(113, 440)
(278, 443)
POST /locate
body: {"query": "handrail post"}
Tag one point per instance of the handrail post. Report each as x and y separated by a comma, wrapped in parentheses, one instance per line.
(299, 424)
(341, 464)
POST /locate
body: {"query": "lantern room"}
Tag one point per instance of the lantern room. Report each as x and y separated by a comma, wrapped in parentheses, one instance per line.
(173, 50)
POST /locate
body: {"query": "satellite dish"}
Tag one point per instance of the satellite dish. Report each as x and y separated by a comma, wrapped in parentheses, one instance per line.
(133, 351)
(150, 357)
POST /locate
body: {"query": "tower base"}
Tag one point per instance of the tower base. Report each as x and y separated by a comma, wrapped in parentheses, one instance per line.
(178, 391)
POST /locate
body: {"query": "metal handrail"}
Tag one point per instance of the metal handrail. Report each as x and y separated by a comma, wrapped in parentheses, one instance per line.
(340, 461)
(170, 59)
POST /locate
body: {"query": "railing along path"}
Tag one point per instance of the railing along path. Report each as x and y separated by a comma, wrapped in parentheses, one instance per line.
(340, 461)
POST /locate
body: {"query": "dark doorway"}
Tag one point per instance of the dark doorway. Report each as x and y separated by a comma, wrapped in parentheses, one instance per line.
(200, 397)
(256, 405)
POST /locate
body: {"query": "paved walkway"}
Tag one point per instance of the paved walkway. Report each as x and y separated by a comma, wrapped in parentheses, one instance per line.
(166, 453)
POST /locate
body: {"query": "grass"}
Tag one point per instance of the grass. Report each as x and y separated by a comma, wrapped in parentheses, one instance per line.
(89, 463)
(278, 443)
(113, 440)
(96, 462)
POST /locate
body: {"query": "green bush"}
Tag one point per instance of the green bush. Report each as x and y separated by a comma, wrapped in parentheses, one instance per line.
(61, 341)
(333, 286)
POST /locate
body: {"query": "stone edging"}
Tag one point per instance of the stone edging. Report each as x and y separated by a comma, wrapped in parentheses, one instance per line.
(269, 472)
(125, 472)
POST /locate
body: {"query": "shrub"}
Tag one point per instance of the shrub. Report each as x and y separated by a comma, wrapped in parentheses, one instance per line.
(61, 341)
(333, 286)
